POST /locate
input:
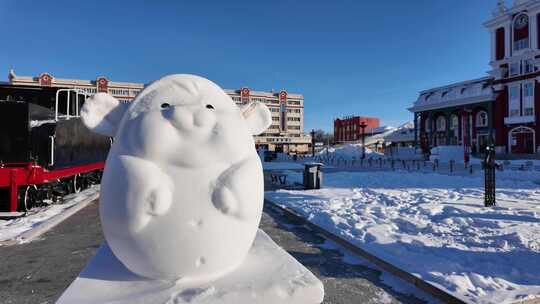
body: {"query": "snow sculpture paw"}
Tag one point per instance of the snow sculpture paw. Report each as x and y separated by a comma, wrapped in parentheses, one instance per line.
(156, 203)
(225, 201)
(159, 202)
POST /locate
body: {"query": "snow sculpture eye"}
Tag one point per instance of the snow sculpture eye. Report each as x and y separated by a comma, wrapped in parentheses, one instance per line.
(209, 106)
(165, 105)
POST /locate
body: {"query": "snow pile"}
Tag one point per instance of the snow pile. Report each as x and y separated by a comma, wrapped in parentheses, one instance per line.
(13, 229)
(406, 153)
(349, 152)
(435, 226)
(403, 133)
(447, 153)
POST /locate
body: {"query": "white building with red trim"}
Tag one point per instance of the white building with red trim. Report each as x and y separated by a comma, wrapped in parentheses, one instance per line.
(502, 108)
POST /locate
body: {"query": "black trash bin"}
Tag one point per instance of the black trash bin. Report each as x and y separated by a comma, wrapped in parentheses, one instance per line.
(312, 176)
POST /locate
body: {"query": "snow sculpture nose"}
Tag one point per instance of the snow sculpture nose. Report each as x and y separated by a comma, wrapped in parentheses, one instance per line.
(182, 117)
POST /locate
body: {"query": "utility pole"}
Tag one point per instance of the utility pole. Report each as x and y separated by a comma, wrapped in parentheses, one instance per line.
(363, 126)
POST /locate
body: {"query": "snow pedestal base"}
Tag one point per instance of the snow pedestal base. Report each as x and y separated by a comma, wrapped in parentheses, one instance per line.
(268, 275)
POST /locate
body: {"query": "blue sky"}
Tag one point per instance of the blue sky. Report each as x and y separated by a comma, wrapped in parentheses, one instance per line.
(346, 57)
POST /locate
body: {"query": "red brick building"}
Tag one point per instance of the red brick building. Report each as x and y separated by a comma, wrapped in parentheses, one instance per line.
(348, 128)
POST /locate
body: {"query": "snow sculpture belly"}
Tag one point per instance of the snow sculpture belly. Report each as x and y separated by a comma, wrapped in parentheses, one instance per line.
(191, 208)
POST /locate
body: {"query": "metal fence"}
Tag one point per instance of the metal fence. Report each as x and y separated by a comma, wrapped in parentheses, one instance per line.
(371, 164)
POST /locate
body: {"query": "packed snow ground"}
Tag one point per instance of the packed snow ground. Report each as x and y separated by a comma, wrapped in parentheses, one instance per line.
(14, 228)
(434, 226)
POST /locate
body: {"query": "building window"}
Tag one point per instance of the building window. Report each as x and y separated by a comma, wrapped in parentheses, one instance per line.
(441, 123)
(428, 125)
(481, 119)
(515, 68)
(528, 90)
(513, 100)
(528, 99)
(274, 118)
(274, 109)
(119, 92)
(521, 32)
(528, 66)
(454, 122)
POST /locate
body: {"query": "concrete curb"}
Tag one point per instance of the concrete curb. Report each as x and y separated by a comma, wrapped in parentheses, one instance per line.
(31, 234)
(400, 273)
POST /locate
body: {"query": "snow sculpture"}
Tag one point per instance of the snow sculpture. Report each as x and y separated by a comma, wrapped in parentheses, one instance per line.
(182, 192)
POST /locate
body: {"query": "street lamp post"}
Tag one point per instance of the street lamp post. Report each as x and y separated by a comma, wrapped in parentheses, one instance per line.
(313, 143)
(363, 126)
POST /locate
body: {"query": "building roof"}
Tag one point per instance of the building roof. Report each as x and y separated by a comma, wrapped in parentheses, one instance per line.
(455, 94)
(62, 82)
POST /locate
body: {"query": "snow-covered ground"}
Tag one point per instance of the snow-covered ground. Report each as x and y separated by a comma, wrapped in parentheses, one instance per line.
(435, 226)
(15, 228)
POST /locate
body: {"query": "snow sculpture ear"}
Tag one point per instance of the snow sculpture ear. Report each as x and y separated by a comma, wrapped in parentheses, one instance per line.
(102, 113)
(257, 116)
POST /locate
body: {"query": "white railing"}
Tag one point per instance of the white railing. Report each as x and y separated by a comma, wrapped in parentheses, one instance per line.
(68, 103)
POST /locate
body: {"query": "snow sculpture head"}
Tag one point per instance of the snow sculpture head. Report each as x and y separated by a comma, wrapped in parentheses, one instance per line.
(182, 191)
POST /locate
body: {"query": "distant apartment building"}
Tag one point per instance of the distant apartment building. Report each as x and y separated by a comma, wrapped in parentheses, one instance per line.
(286, 134)
(348, 128)
(501, 109)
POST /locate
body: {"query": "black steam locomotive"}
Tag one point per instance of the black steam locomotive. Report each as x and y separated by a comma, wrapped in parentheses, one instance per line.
(45, 150)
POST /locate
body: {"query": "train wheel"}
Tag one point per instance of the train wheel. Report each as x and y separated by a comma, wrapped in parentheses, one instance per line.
(30, 197)
(77, 183)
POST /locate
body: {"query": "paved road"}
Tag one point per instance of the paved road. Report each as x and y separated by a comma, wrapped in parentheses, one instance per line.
(40, 271)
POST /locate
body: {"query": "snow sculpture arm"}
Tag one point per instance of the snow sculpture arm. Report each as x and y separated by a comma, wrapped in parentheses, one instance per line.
(150, 192)
(102, 113)
(238, 189)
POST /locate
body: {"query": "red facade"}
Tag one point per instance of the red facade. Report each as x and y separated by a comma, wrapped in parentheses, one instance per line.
(348, 128)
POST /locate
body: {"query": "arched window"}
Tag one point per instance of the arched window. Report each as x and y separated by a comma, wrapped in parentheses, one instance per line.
(428, 125)
(441, 123)
(454, 122)
(521, 32)
(481, 119)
